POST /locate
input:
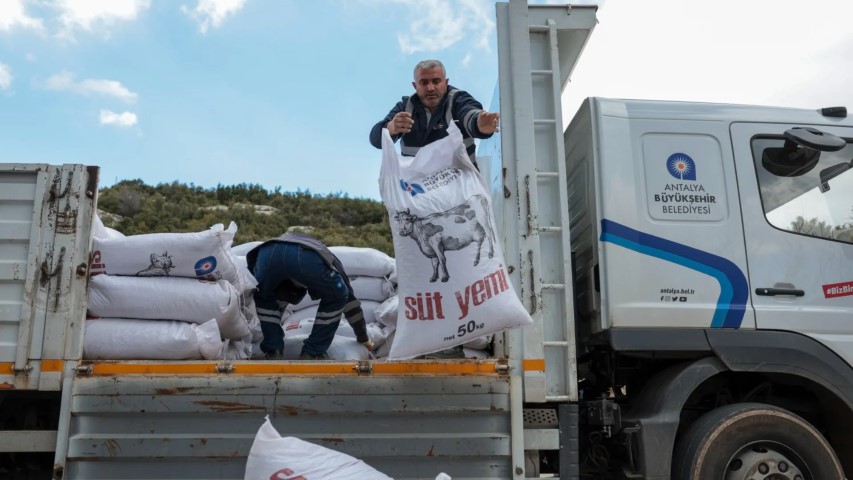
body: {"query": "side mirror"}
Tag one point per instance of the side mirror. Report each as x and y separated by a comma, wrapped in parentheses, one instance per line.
(801, 151)
(814, 139)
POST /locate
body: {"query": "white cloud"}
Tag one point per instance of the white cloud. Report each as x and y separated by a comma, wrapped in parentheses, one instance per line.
(124, 119)
(12, 14)
(212, 13)
(435, 25)
(5, 77)
(91, 14)
(65, 82)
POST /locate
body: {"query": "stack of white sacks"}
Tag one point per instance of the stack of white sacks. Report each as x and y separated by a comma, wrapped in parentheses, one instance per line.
(169, 296)
(185, 296)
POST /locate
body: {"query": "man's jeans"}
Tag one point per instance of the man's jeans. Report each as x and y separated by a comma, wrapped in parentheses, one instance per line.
(279, 261)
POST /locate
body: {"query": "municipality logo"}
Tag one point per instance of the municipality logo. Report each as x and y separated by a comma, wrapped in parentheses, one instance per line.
(681, 166)
(412, 188)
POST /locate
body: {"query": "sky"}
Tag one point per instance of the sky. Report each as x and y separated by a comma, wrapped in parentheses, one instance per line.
(283, 93)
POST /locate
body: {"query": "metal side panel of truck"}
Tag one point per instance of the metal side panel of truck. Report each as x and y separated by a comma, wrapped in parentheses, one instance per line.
(474, 419)
(45, 221)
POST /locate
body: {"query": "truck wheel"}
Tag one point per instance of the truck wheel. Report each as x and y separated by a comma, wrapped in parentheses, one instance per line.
(753, 441)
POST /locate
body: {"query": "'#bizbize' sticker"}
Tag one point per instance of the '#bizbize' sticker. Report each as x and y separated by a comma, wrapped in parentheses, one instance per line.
(838, 290)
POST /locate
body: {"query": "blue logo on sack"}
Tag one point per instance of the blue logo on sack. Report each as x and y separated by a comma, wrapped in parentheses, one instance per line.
(205, 266)
(412, 188)
(681, 166)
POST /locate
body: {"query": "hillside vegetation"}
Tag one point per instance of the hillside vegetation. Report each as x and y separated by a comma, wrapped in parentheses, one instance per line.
(132, 207)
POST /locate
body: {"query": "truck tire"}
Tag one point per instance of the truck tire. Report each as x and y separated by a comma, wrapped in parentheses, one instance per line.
(753, 441)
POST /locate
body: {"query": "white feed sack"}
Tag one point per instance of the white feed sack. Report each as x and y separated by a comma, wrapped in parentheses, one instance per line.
(131, 339)
(376, 332)
(386, 313)
(274, 457)
(376, 289)
(342, 348)
(99, 230)
(172, 298)
(452, 278)
(206, 255)
(367, 262)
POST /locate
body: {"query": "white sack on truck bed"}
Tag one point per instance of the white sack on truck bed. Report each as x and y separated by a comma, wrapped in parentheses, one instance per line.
(376, 332)
(342, 348)
(131, 339)
(369, 262)
(376, 289)
(290, 316)
(452, 278)
(205, 255)
(184, 299)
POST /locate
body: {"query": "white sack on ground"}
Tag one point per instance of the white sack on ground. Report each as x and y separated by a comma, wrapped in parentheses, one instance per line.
(204, 255)
(452, 278)
(184, 299)
(132, 339)
(274, 457)
(368, 262)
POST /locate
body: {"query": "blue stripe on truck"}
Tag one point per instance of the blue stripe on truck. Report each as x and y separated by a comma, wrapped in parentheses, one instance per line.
(734, 290)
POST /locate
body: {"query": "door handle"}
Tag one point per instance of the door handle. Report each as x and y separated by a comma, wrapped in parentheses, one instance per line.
(772, 292)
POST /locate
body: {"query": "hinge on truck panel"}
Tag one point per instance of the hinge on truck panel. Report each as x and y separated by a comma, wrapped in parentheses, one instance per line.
(224, 367)
(502, 367)
(363, 367)
(84, 370)
(23, 370)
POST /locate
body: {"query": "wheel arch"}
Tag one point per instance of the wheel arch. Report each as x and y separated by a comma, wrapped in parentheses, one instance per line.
(781, 355)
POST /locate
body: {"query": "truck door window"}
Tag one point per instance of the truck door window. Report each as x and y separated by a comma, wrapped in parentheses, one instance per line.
(798, 203)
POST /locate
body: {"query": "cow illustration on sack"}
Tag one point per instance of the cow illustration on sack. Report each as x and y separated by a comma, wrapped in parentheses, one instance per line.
(160, 266)
(453, 229)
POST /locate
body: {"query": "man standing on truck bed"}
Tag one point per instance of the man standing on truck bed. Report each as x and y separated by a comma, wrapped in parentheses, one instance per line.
(423, 118)
(286, 268)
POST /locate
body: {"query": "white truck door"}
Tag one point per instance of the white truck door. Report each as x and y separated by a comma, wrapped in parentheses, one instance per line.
(799, 237)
